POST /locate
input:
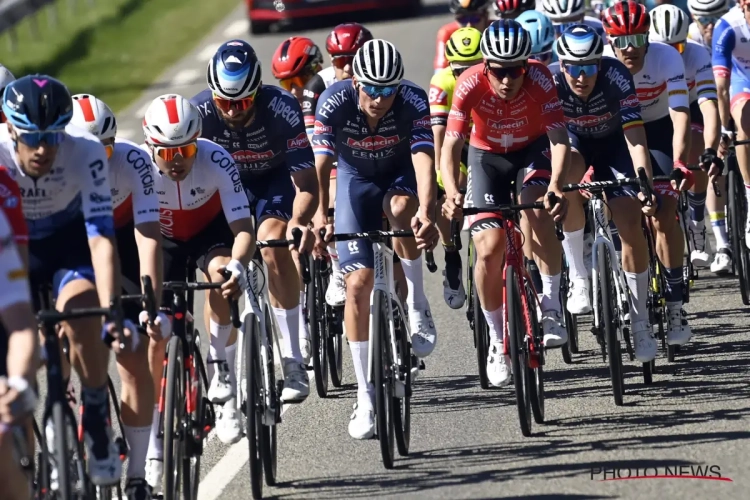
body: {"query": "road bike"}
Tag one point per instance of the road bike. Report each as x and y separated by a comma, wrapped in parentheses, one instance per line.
(737, 209)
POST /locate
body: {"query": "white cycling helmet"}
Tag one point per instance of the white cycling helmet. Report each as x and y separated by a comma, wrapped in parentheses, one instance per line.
(378, 62)
(579, 43)
(171, 120)
(5, 78)
(708, 7)
(669, 24)
(92, 115)
(504, 41)
(563, 10)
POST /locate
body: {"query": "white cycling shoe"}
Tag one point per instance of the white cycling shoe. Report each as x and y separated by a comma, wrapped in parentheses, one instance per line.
(221, 389)
(336, 291)
(722, 263)
(296, 382)
(228, 428)
(678, 330)
(498, 365)
(305, 347)
(578, 297)
(423, 332)
(362, 421)
(555, 333)
(698, 257)
(154, 474)
(107, 469)
(644, 343)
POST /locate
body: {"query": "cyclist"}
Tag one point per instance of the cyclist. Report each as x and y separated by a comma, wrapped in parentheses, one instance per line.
(564, 13)
(659, 76)
(511, 9)
(136, 213)
(472, 13)
(505, 149)
(385, 165)
(5, 78)
(606, 132)
(71, 231)
(669, 25)
(205, 220)
(262, 128)
(705, 14)
(542, 34)
(731, 63)
(462, 52)
(342, 43)
(294, 63)
(19, 359)
(10, 204)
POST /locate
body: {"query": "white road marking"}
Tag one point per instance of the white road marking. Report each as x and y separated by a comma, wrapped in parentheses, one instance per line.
(237, 29)
(185, 77)
(207, 53)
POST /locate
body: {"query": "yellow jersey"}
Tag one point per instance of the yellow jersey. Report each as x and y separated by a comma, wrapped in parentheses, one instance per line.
(442, 85)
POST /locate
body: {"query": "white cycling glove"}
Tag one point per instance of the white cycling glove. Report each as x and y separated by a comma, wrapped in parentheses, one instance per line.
(161, 319)
(239, 272)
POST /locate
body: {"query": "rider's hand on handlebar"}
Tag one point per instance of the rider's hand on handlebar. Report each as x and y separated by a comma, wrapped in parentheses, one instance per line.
(425, 232)
(306, 242)
(232, 288)
(17, 400)
(648, 209)
(159, 329)
(126, 340)
(560, 209)
(712, 163)
(452, 207)
(320, 221)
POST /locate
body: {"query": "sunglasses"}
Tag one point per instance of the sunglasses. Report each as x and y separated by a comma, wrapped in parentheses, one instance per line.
(110, 149)
(298, 81)
(679, 46)
(236, 104)
(376, 91)
(340, 62)
(706, 20)
(543, 57)
(575, 70)
(636, 41)
(512, 72)
(34, 139)
(170, 153)
(469, 19)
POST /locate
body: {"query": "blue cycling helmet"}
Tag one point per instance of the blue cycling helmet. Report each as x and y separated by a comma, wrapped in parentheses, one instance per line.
(579, 43)
(234, 71)
(37, 103)
(540, 28)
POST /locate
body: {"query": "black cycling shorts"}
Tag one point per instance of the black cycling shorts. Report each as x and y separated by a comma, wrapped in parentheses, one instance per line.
(130, 269)
(610, 158)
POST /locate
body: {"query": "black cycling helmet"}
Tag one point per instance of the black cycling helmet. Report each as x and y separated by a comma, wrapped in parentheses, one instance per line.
(469, 6)
(37, 103)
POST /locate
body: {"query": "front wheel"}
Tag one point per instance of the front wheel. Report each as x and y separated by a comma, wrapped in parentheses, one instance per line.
(173, 418)
(610, 324)
(481, 330)
(382, 372)
(316, 315)
(517, 335)
(737, 216)
(402, 405)
(253, 408)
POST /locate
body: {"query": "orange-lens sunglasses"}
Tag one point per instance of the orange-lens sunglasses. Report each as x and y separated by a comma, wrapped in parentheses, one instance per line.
(110, 149)
(237, 104)
(169, 153)
(295, 81)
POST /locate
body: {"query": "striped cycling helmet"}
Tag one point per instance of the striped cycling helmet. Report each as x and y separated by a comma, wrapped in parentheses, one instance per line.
(378, 62)
(505, 40)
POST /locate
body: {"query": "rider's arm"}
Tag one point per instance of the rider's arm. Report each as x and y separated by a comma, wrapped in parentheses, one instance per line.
(457, 130)
(439, 109)
(310, 94)
(679, 104)
(324, 148)
(235, 205)
(631, 119)
(301, 163)
(635, 136)
(721, 58)
(706, 89)
(423, 159)
(560, 151)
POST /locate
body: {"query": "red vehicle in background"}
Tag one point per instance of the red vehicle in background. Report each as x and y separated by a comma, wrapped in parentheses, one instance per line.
(263, 14)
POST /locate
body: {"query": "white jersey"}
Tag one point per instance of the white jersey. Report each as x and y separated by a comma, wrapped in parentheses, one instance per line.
(660, 83)
(131, 176)
(698, 73)
(76, 185)
(213, 184)
(14, 283)
(328, 75)
(695, 34)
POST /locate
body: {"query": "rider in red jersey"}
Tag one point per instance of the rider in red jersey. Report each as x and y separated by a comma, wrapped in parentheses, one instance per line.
(472, 13)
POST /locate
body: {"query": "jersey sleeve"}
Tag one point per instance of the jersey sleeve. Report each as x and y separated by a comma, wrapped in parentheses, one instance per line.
(299, 155)
(310, 95)
(14, 284)
(552, 115)
(141, 179)
(722, 45)
(233, 198)
(324, 133)
(622, 86)
(96, 196)
(677, 89)
(10, 203)
(704, 76)
(421, 125)
(465, 96)
(439, 98)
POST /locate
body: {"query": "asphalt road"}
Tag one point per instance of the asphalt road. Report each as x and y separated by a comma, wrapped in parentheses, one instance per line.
(466, 442)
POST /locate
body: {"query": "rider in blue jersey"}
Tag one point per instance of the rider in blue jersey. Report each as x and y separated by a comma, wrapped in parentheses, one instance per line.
(262, 127)
(379, 126)
(603, 117)
(63, 176)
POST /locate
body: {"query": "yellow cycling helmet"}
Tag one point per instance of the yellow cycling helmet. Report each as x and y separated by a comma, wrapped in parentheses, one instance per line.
(463, 45)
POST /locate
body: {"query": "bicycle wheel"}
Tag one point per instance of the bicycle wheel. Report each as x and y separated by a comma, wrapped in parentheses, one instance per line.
(268, 441)
(382, 373)
(317, 319)
(517, 336)
(610, 321)
(535, 371)
(253, 408)
(58, 414)
(402, 405)
(481, 330)
(571, 325)
(335, 342)
(191, 462)
(174, 407)
(737, 216)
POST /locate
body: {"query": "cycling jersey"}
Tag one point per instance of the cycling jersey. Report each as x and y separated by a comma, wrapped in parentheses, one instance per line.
(661, 82)
(310, 94)
(275, 138)
(213, 184)
(500, 125)
(78, 183)
(611, 107)
(14, 287)
(342, 129)
(10, 204)
(131, 176)
(695, 34)
(698, 73)
(730, 57)
(443, 35)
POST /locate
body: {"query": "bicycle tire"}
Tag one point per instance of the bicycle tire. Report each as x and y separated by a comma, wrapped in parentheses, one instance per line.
(253, 408)
(335, 343)
(535, 381)
(173, 407)
(402, 406)
(268, 437)
(481, 331)
(516, 336)
(381, 379)
(609, 317)
(571, 325)
(317, 320)
(59, 422)
(191, 464)
(739, 248)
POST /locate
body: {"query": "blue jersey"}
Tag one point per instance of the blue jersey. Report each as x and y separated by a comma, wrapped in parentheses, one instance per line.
(731, 48)
(612, 106)
(276, 137)
(341, 128)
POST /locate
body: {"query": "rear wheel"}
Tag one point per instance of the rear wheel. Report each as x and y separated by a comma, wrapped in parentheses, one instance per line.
(268, 441)
(535, 375)
(519, 363)
(316, 316)
(382, 368)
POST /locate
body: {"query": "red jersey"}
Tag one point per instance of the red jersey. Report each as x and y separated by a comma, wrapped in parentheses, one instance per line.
(10, 204)
(500, 125)
(443, 35)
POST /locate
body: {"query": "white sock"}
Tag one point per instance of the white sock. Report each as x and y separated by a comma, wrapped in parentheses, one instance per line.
(304, 332)
(231, 358)
(288, 320)
(550, 298)
(138, 442)
(365, 391)
(335, 266)
(573, 248)
(155, 445)
(496, 323)
(719, 227)
(638, 285)
(747, 192)
(219, 338)
(414, 282)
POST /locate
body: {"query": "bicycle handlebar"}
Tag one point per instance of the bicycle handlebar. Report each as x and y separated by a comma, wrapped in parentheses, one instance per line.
(295, 241)
(373, 236)
(184, 286)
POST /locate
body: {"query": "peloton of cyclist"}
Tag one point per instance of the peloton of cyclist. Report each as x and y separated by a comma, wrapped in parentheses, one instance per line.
(138, 235)
(533, 151)
(341, 44)
(669, 25)
(659, 76)
(564, 13)
(705, 14)
(379, 126)
(542, 34)
(471, 13)
(294, 63)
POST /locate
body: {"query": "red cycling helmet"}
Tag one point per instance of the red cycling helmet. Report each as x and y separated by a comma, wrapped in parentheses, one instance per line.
(346, 39)
(626, 18)
(295, 55)
(510, 7)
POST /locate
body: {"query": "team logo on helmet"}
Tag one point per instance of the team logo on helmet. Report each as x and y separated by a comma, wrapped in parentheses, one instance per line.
(466, 42)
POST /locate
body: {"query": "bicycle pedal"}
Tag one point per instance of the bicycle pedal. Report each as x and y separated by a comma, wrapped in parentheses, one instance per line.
(422, 366)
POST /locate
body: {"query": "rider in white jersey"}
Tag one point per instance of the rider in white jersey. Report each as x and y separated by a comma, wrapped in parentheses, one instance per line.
(64, 182)
(136, 219)
(706, 13)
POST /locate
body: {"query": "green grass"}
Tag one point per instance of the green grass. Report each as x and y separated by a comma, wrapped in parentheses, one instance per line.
(113, 49)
